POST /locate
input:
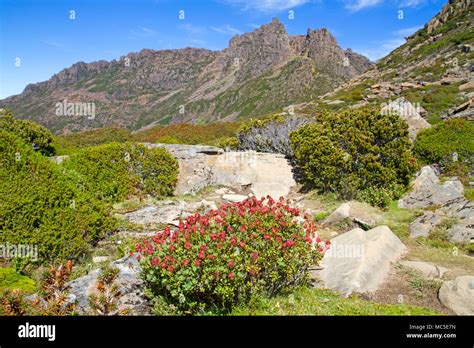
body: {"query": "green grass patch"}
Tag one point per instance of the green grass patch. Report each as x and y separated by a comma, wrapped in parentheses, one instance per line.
(310, 301)
(9, 280)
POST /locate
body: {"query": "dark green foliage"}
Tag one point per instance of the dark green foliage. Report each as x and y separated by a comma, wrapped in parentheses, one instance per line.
(437, 144)
(41, 204)
(353, 150)
(39, 137)
(113, 172)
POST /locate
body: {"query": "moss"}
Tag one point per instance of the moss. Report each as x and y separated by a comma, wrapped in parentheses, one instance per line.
(9, 280)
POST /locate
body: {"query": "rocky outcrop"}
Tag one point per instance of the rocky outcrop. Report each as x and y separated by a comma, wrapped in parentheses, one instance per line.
(448, 202)
(458, 295)
(131, 301)
(409, 113)
(427, 190)
(464, 111)
(359, 261)
(201, 166)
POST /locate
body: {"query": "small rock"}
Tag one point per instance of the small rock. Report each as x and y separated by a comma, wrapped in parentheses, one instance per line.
(458, 295)
(234, 198)
(99, 259)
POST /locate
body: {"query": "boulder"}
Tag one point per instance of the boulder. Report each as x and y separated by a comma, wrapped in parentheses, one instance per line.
(428, 191)
(458, 295)
(425, 268)
(423, 224)
(132, 300)
(409, 113)
(359, 261)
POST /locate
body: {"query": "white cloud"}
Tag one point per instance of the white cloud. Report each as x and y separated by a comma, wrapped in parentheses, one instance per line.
(227, 30)
(411, 3)
(266, 5)
(357, 5)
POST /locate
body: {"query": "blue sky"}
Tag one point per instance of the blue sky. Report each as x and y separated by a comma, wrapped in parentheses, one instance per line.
(43, 39)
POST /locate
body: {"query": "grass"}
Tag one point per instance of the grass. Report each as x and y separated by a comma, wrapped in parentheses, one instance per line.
(11, 280)
(398, 220)
(310, 301)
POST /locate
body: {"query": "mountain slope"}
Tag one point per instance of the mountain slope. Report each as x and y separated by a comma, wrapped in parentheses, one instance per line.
(259, 72)
(433, 68)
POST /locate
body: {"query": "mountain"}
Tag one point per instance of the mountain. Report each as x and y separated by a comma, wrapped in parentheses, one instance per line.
(433, 69)
(259, 72)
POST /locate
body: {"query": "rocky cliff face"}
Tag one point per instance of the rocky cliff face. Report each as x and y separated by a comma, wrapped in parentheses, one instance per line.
(259, 72)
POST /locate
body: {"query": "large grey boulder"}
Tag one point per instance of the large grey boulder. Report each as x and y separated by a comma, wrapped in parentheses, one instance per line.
(409, 113)
(359, 261)
(427, 190)
(458, 295)
(132, 300)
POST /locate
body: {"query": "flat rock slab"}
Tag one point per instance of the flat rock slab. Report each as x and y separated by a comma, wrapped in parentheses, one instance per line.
(359, 261)
(427, 269)
(234, 198)
(458, 295)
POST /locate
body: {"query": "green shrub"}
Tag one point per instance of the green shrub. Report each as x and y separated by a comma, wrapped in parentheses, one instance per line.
(350, 151)
(115, 171)
(39, 137)
(10, 280)
(229, 256)
(380, 196)
(437, 145)
(41, 205)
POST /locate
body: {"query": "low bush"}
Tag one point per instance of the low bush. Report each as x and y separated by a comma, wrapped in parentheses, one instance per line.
(115, 171)
(41, 205)
(354, 150)
(439, 143)
(230, 255)
(37, 136)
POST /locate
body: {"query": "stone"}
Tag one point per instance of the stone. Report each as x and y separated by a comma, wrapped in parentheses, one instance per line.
(466, 86)
(427, 269)
(132, 300)
(362, 214)
(409, 113)
(59, 159)
(458, 295)
(99, 259)
(359, 261)
(422, 225)
(428, 191)
(234, 198)
(201, 166)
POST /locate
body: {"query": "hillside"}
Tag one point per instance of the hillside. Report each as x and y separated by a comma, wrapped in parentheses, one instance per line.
(259, 72)
(433, 68)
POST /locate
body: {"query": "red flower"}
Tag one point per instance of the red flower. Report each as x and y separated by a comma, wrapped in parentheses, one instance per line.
(231, 264)
(231, 275)
(197, 262)
(155, 261)
(186, 262)
(170, 268)
(267, 236)
(242, 244)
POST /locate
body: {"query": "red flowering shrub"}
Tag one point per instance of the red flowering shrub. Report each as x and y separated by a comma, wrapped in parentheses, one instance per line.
(256, 247)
